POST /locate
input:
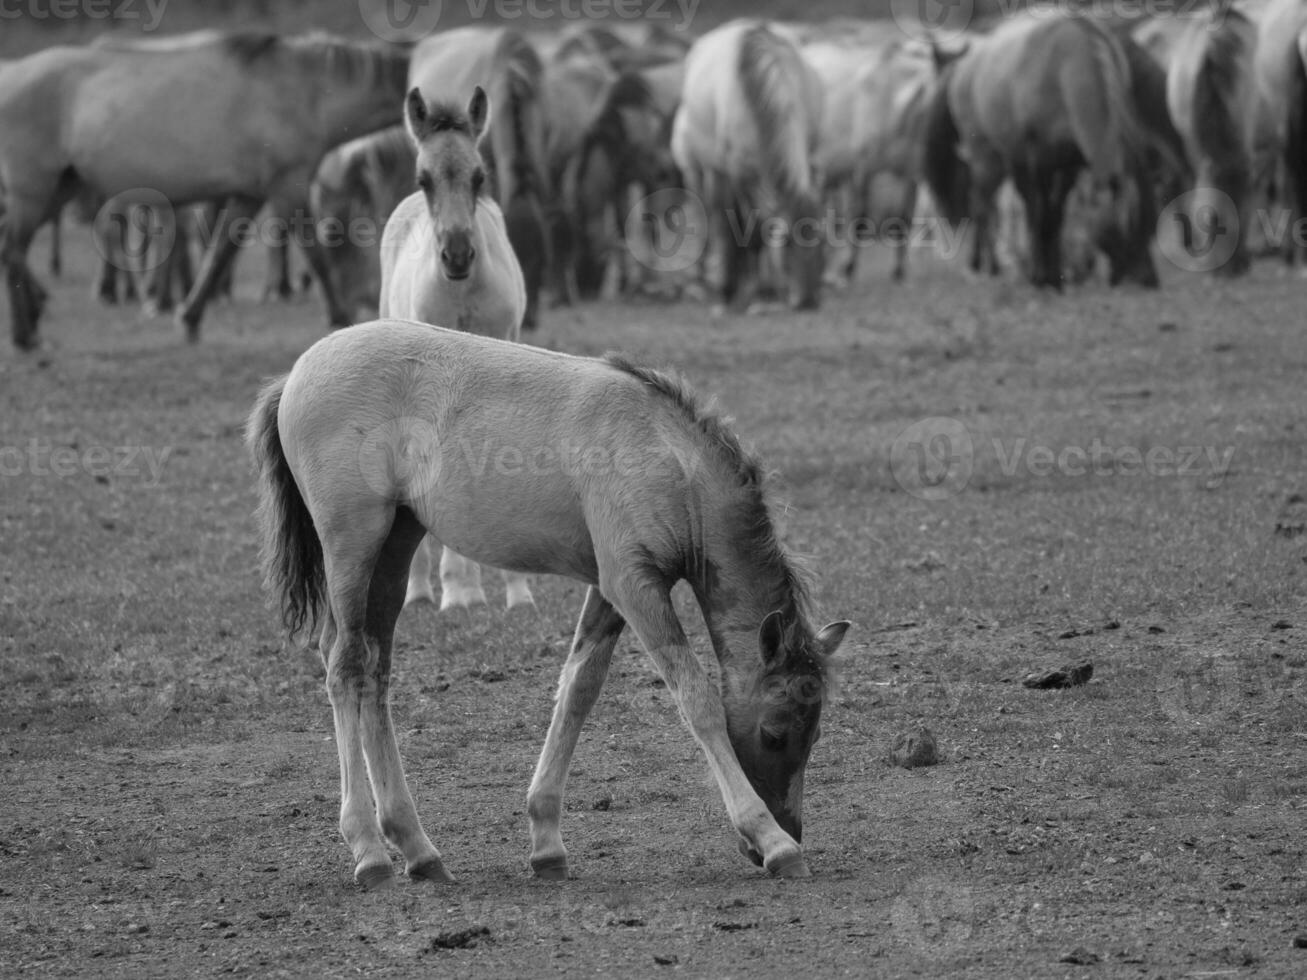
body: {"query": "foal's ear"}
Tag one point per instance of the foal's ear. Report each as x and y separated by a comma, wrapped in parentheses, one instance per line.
(478, 111)
(830, 636)
(415, 113)
(771, 639)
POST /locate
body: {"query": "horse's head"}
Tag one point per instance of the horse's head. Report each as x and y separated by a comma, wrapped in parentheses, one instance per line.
(774, 713)
(450, 173)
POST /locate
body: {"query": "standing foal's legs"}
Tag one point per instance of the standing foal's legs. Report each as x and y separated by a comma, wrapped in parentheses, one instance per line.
(578, 686)
(366, 588)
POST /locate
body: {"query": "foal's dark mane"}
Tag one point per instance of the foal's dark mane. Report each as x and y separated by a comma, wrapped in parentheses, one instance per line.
(760, 541)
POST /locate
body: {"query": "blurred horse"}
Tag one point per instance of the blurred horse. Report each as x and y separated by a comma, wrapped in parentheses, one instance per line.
(446, 260)
(745, 138)
(357, 188)
(246, 117)
(869, 149)
(1211, 95)
(1039, 100)
(450, 64)
(362, 450)
(1280, 66)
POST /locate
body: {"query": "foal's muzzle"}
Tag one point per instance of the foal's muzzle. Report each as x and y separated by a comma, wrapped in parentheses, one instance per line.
(457, 256)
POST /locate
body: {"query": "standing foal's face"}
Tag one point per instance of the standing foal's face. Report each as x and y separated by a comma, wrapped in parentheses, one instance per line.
(450, 174)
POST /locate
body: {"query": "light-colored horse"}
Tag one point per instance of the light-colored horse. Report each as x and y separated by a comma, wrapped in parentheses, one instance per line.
(450, 64)
(1211, 95)
(373, 440)
(243, 117)
(446, 260)
(744, 138)
(869, 149)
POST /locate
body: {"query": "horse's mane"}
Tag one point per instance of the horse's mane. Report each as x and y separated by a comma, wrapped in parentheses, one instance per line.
(630, 91)
(1224, 78)
(248, 47)
(445, 117)
(778, 111)
(515, 125)
(759, 537)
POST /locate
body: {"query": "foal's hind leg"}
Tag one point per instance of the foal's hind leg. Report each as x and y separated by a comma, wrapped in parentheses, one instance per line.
(582, 678)
(366, 566)
(460, 581)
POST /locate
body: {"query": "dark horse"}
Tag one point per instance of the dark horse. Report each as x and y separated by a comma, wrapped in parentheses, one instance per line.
(1038, 101)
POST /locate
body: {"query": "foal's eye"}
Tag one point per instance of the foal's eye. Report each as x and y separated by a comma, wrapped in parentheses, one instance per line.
(425, 183)
(478, 179)
(773, 741)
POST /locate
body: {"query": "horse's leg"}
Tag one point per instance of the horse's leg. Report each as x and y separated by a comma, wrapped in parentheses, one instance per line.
(517, 590)
(57, 244)
(26, 297)
(396, 811)
(276, 286)
(419, 575)
(366, 563)
(108, 229)
(1054, 192)
(460, 582)
(904, 242)
(647, 606)
(578, 687)
(315, 251)
(221, 251)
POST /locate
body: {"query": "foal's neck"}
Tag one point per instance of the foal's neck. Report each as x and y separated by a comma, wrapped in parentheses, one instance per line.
(739, 578)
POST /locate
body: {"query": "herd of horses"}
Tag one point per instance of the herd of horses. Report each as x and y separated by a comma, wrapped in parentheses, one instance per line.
(1052, 138)
(501, 166)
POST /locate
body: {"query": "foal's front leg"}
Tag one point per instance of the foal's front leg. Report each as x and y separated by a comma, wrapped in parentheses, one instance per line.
(649, 609)
(578, 687)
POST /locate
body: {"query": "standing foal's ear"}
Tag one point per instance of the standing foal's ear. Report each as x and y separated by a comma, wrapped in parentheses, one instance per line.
(478, 111)
(830, 636)
(771, 639)
(415, 113)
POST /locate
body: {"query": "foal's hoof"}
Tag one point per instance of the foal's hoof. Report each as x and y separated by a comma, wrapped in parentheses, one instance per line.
(417, 597)
(551, 869)
(430, 870)
(461, 599)
(375, 877)
(789, 866)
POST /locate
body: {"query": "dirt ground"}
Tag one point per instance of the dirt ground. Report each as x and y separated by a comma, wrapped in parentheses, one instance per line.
(169, 775)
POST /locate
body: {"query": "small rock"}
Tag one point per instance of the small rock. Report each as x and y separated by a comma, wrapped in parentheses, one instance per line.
(1300, 942)
(1070, 676)
(911, 750)
(668, 960)
(1147, 858)
(1282, 624)
(1081, 957)
(136, 928)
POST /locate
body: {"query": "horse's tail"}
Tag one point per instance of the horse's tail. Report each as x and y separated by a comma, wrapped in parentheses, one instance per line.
(1108, 131)
(767, 68)
(1223, 95)
(945, 172)
(517, 129)
(291, 550)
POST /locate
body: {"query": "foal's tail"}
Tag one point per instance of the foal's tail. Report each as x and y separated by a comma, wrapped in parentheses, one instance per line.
(771, 75)
(291, 550)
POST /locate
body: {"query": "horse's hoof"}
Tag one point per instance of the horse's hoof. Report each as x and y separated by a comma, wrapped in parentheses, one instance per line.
(432, 869)
(551, 868)
(375, 877)
(461, 600)
(519, 600)
(416, 598)
(789, 866)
